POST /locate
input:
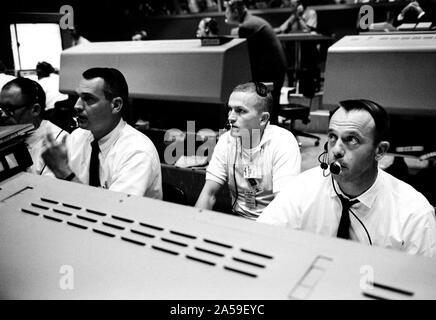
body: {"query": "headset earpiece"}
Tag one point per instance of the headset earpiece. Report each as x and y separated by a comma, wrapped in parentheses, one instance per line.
(324, 165)
(323, 158)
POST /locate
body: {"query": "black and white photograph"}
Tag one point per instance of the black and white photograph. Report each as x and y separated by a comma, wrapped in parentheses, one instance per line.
(218, 158)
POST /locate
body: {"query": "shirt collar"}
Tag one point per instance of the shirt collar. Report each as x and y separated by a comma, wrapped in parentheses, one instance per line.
(108, 140)
(367, 198)
(266, 136)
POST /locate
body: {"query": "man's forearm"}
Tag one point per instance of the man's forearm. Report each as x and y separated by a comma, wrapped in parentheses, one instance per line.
(205, 201)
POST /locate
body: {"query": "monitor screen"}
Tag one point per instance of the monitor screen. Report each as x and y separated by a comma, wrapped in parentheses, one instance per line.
(34, 42)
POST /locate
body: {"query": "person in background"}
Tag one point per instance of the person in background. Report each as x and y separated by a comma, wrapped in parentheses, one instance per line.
(416, 12)
(267, 58)
(349, 197)
(49, 81)
(4, 77)
(207, 27)
(256, 159)
(302, 18)
(105, 151)
(23, 101)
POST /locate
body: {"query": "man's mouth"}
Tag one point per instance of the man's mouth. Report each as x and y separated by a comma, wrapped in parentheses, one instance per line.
(340, 163)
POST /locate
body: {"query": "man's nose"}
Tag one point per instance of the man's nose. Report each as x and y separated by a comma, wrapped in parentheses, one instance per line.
(232, 116)
(338, 150)
(79, 105)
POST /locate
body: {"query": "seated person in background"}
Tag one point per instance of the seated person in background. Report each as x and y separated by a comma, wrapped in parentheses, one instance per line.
(207, 27)
(105, 151)
(49, 81)
(416, 12)
(377, 208)
(4, 77)
(301, 19)
(23, 101)
(267, 58)
(255, 158)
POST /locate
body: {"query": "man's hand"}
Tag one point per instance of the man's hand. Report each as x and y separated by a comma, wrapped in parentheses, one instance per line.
(55, 156)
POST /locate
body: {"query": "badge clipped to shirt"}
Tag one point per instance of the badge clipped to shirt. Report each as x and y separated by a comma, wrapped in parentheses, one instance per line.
(250, 199)
(251, 171)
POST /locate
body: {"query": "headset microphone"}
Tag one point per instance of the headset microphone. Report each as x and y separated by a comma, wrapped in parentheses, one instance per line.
(228, 126)
(335, 167)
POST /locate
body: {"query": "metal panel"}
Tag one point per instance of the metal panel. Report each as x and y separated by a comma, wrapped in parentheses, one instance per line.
(125, 247)
(396, 71)
(174, 70)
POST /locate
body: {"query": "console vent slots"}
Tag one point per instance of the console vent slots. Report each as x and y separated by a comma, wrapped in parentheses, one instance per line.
(177, 243)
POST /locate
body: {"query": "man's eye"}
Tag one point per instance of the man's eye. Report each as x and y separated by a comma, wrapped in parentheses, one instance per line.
(352, 140)
(331, 137)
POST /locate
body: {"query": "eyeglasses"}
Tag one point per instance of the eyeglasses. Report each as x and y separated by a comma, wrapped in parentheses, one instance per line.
(261, 89)
(10, 110)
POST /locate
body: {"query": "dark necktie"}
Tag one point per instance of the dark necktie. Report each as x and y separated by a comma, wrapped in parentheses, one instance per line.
(344, 224)
(94, 165)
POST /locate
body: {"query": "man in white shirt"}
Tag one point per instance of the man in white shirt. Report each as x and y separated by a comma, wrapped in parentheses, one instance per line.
(105, 151)
(23, 101)
(381, 210)
(255, 158)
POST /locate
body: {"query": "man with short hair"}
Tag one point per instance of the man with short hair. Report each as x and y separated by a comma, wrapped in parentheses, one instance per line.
(255, 158)
(23, 101)
(358, 201)
(105, 151)
(267, 58)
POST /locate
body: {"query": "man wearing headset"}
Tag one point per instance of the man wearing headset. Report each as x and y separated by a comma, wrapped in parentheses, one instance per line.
(255, 158)
(22, 101)
(349, 197)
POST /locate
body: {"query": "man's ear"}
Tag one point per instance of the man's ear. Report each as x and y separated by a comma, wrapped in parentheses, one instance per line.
(381, 149)
(264, 118)
(117, 105)
(36, 110)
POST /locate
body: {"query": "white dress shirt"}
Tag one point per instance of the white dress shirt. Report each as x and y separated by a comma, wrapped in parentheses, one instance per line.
(394, 213)
(129, 161)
